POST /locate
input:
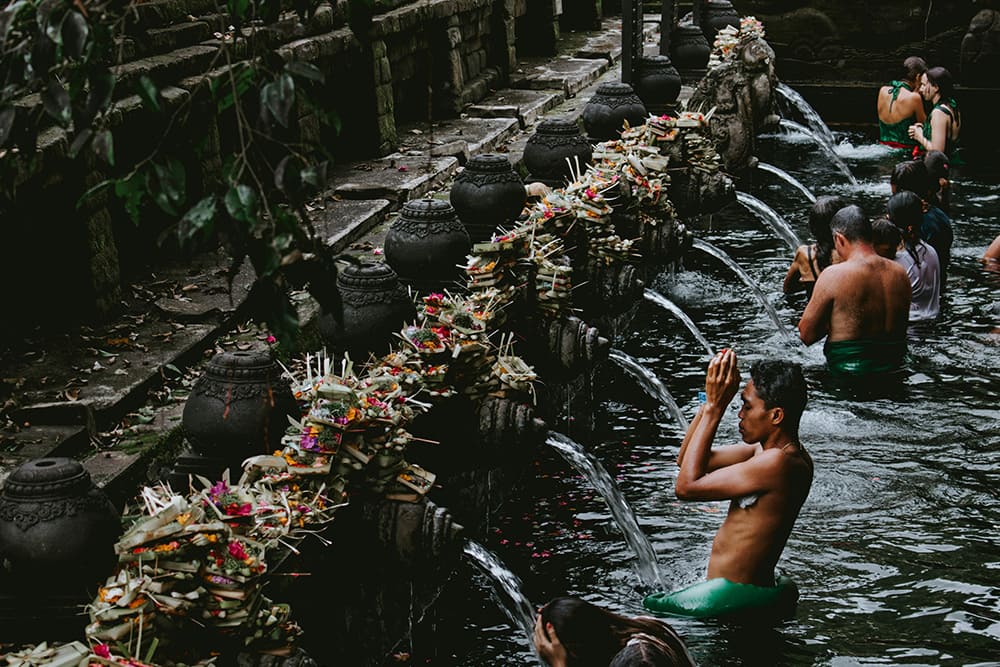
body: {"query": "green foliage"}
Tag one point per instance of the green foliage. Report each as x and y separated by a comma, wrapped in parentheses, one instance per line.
(66, 52)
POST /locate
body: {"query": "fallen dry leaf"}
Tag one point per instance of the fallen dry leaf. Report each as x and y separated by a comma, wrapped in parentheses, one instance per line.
(71, 394)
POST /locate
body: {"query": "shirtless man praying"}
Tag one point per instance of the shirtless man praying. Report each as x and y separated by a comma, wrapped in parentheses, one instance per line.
(766, 481)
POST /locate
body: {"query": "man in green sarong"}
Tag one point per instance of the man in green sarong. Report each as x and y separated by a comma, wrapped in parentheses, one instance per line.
(900, 105)
(766, 479)
(861, 304)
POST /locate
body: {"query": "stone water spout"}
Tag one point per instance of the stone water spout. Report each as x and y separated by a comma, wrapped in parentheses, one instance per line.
(503, 422)
(416, 533)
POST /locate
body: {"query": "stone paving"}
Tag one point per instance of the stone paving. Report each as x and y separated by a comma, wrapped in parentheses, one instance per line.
(68, 391)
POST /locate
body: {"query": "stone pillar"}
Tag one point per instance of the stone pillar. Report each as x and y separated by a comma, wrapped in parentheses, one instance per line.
(455, 82)
(508, 14)
(385, 109)
(103, 271)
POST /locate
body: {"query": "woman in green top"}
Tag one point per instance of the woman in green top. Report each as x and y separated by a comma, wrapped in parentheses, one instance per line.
(899, 105)
(940, 130)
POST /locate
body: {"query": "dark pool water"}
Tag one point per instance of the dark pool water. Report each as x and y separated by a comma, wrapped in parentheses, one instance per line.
(896, 551)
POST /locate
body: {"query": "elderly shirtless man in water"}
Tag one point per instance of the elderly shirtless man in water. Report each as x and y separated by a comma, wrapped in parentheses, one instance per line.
(766, 479)
(861, 305)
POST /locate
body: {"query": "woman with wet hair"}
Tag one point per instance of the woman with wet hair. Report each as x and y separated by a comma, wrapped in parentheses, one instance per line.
(919, 259)
(940, 130)
(810, 260)
(570, 632)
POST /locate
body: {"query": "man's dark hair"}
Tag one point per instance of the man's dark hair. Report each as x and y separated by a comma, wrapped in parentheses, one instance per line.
(911, 175)
(914, 66)
(819, 224)
(781, 384)
(852, 222)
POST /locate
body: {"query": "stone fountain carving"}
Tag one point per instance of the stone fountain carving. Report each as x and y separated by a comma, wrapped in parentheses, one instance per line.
(981, 46)
(739, 91)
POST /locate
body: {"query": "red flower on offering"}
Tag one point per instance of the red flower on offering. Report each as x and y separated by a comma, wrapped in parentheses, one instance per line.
(237, 551)
(102, 651)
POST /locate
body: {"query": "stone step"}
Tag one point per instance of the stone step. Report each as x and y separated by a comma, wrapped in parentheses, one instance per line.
(527, 106)
(93, 380)
(396, 178)
(457, 137)
(40, 441)
(343, 221)
(566, 73)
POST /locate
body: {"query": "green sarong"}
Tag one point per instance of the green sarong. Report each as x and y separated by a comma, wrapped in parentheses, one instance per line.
(721, 597)
(866, 356)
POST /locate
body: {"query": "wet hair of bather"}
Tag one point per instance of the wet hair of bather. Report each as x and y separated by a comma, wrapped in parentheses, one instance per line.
(592, 635)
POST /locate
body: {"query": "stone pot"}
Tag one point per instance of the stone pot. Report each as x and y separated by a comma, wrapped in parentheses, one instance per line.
(555, 141)
(57, 529)
(605, 114)
(688, 47)
(716, 15)
(488, 193)
(658, 83)
(238, 408)
(375, 306)
(427, 244)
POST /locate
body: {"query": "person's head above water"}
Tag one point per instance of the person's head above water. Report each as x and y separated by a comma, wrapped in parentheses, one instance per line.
(885, 237)
(782, 387)
(852, 223)
(937, 164)
(938, 80)
(592, 636)
(643, 650)
(819, 224)
(910, 175)
(906, 211)
(913, 67)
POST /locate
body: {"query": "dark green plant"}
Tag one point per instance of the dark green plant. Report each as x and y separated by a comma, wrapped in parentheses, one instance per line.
(57, 66)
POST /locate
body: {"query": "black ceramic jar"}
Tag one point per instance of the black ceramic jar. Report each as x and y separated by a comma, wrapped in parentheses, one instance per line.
(56, 525)
(488, 193)
(427, 244)
(688, 47)
(611, 106)
(658, 84)
(57, 537)
(716, 15)
(556, 145)
(238, 408)
(375, 305)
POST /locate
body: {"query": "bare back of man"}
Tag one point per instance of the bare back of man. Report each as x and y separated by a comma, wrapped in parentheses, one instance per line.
(752, 537)
(866, 296)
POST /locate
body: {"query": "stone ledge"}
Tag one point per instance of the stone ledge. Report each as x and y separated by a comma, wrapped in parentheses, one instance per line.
(342, 222)
(568, 74)
(527, 106)
(397, 178)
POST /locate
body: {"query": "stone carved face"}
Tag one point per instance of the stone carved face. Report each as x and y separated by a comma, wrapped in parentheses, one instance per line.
(757, 61)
